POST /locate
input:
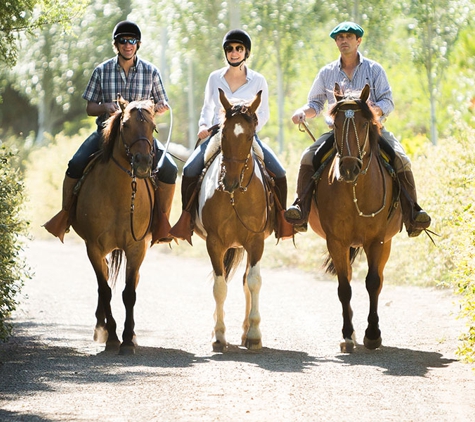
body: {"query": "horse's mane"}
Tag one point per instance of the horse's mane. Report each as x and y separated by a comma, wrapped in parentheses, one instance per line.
(366, 111)
(112, 125)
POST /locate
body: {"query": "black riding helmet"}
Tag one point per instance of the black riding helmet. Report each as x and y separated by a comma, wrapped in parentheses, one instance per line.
(238, 36)
(126, 29)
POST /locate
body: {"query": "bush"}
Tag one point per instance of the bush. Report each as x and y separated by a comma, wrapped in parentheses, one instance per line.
(446, 187)
(13, 227)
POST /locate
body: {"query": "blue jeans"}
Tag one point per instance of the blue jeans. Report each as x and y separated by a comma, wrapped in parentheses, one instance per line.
(167, 174)
(195, 163)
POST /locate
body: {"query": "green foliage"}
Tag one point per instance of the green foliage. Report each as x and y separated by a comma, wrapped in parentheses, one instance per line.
(24, 16)
(13, 269)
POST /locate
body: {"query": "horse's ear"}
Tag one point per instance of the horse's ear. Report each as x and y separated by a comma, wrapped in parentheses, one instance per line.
(224, 101)
(256, 102)
(337, 92)
(122, 103)
(365, 93)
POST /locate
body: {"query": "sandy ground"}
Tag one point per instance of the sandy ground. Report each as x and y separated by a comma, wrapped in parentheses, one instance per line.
(52, 370)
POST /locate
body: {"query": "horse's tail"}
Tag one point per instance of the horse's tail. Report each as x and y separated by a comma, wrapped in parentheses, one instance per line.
(116, 258)
(232, 259)
(330, 268)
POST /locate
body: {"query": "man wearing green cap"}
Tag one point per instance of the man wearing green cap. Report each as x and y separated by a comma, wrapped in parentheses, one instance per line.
(352, 72)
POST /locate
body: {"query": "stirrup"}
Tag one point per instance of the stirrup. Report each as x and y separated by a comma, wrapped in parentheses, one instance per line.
(293, 214)
(420, 223)
(301, 228)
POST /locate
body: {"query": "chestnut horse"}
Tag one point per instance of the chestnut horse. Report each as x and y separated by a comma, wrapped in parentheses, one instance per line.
(353, 208)
(114, 213)
(235, 215)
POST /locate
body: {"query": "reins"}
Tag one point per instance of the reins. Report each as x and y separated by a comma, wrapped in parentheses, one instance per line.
(350, 120)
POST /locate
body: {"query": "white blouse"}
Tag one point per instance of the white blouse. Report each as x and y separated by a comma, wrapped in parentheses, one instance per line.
(255, 82)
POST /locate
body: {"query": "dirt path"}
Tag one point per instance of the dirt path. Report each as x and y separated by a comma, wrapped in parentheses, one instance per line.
(52, 371)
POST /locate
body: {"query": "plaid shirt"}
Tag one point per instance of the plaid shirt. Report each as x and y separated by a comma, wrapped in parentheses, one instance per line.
(367, 72)
(108, 79)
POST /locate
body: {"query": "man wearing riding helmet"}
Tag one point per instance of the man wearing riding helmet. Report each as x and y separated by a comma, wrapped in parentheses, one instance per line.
(239, 83)
(352, 71)
(135, 80)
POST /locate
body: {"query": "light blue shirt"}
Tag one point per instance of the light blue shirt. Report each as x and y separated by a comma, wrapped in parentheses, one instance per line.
(367, 72)
(255, 82)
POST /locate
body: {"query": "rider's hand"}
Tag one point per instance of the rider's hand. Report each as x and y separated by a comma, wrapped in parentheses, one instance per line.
(110, 108)
(203, 132)
(298, 116)
(161, 107)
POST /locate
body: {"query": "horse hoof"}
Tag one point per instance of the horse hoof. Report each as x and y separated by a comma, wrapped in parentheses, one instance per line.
(112, 346)
(253, 344)
(218, 346)
(347, 345)
(372, 344)
(127, 349)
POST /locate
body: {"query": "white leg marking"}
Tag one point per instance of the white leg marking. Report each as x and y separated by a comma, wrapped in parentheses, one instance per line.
(254, 281)
(245, 324)
(220, 291)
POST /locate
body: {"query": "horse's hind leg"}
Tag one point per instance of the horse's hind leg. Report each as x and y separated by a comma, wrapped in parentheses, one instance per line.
(252, 337)
(377, 256)
(247, 297)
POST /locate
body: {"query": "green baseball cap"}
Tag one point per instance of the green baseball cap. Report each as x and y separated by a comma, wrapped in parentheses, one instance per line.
(351, 27)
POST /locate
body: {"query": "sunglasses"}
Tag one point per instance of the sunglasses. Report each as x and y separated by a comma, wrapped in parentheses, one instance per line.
(131, 41)
(230, 48)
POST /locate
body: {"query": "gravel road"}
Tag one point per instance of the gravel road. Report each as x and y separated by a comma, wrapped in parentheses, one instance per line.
(52, 370)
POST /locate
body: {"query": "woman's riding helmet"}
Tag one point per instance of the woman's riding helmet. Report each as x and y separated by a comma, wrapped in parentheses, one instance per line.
(238, 36)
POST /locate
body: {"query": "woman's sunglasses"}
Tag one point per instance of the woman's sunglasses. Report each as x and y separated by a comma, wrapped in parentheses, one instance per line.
(230, 48)
(131, 41)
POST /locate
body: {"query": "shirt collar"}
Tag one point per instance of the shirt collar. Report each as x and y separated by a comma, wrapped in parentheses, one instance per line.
(360, 57)
(134, 67)
(249, 73)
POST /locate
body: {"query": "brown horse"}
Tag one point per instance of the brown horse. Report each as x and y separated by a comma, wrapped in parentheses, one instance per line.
(114, 213)
(235, 215)
(353, 208)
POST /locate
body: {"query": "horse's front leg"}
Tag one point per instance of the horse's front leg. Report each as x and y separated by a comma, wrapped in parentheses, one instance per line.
(341, 260)
(252, 338)
(105, 330)
(377, 256)
(129, 297)
(220, 292)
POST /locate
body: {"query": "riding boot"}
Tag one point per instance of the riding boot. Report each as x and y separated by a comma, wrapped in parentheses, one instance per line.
(297, 213)
(285, 230)
(59, 224)
(414, 217)
(183, 229)
(161, 213)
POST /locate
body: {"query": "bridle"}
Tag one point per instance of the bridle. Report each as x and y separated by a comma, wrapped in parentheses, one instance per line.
(131, 173)
(235, 110)
(348, 124)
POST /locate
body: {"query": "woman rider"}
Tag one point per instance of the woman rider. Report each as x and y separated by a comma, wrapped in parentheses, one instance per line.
(238, 82)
